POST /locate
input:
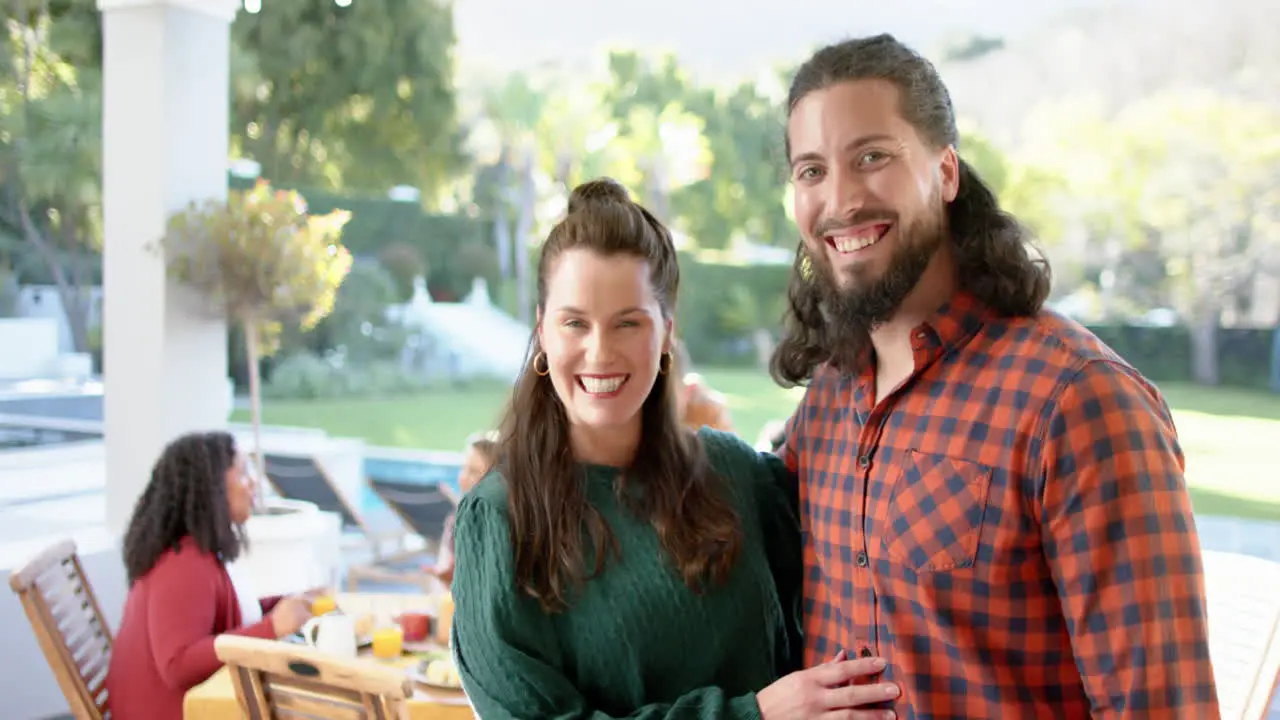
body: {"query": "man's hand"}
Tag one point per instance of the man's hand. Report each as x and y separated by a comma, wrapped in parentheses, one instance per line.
(826, 692)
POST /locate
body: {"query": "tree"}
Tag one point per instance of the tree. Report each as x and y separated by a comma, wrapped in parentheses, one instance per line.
(51, 149)
(260, 260)
(354, 96)
(649, 101)
(507, 189)
(743, 193)
(1029, 191)
(1192, 178)
(1212, 192)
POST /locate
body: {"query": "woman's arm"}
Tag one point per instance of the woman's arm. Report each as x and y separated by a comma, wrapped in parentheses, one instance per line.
(506, 648)
(181, 613)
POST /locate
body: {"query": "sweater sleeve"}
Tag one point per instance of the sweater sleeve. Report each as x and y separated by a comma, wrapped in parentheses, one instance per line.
(775, 492)
(506, 648)
(181, 613)
(779, 518)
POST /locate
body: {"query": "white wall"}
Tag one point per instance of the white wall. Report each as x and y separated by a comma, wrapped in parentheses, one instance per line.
(28, 347)
(43, 301)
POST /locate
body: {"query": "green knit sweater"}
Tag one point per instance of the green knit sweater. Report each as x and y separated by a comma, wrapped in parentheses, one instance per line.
(635, 642)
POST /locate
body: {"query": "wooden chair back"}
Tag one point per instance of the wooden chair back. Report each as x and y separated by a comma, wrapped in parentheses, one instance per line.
(1244, 631)
(69, 626)
(274, 679)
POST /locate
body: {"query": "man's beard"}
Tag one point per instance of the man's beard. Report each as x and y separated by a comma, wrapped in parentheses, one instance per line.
(865, 303)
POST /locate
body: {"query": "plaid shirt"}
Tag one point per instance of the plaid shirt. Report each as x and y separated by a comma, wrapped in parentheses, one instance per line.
(1010, 529)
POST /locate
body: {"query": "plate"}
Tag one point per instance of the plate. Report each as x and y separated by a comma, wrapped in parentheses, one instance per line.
(422, 680)
(417, 673)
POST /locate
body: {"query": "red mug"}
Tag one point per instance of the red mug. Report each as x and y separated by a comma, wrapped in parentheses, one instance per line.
(415, 625)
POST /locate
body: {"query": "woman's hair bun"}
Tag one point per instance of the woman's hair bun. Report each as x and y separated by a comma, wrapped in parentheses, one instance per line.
(601, 191)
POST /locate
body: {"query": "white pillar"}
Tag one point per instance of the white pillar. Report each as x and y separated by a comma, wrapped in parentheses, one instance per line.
(165, 127)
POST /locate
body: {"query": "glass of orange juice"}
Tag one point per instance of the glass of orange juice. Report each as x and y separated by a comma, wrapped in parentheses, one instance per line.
(444, 618)
(323, 604)
(388, 642)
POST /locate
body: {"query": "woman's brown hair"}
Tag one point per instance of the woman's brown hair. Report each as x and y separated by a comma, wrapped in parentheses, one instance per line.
(552, 524)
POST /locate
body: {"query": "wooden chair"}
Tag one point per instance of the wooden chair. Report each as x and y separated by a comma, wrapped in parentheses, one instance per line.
(274, 679)
(69, 626)
(1244, 631)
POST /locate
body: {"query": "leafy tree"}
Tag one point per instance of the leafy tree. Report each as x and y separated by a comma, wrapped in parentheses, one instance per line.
(1189, 177)
(260, 260)
(743, 193)
(1029, 191)
(649, 99)
(51, 149)
(355, 96)
(506, 190)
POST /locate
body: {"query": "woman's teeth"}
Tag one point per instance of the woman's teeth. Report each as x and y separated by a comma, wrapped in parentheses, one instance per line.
(602, 385)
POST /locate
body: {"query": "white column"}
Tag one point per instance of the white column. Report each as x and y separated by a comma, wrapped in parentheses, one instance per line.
(165, 126)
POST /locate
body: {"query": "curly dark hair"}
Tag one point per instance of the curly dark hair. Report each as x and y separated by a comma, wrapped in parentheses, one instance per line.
(684, 500)
(992, 249)
(187, 495)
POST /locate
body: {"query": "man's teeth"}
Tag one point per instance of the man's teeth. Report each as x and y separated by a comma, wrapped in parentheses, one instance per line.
(602, 385)
(849, 243)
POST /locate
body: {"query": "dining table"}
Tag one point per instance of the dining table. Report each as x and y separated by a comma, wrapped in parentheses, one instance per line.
(215, 698)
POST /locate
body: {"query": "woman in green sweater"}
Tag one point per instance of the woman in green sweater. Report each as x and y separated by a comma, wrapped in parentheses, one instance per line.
(615, 564)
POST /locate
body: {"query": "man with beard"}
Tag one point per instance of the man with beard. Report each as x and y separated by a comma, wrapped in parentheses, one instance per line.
(993, 500)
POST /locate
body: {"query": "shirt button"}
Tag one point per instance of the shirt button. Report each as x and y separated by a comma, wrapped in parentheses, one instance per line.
(865, 652)
(860, 559)
(864, 461)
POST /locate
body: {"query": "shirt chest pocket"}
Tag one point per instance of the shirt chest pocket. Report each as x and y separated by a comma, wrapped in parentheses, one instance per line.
(934, 518)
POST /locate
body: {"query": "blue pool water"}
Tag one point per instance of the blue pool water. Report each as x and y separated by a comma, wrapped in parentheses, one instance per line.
(439, 470)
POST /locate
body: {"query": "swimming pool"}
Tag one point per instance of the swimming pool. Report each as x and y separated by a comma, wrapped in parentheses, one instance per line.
(427, 468)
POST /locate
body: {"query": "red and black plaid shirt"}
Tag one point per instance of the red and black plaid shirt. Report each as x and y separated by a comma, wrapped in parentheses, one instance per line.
(1010, 529)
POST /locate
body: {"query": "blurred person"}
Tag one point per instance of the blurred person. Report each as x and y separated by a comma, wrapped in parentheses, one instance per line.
(698, 404)
(479, 456)
(185, 532)
(616, 563)
(995, 500)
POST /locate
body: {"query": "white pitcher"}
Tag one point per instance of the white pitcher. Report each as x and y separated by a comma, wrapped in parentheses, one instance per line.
(334, 633)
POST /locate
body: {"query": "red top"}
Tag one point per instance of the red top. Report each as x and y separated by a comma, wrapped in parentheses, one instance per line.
(164, 646)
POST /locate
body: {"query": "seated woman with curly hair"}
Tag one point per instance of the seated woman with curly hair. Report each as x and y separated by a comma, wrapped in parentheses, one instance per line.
(186, 527)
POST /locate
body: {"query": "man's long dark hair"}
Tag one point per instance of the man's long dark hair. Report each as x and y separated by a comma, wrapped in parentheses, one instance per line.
(187, 495)
(551, 521)
(993, 257)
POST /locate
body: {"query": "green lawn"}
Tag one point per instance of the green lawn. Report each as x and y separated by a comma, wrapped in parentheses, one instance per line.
(1228, 435)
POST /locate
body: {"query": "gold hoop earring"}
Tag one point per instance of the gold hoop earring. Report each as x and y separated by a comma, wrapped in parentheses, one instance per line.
(664, 367)
(541, 373)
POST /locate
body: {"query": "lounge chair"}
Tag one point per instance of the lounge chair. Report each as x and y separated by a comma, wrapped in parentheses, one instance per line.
(421, 507)
(303, 477)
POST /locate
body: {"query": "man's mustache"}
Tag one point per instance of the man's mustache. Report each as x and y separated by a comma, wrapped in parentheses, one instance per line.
(829, 226)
